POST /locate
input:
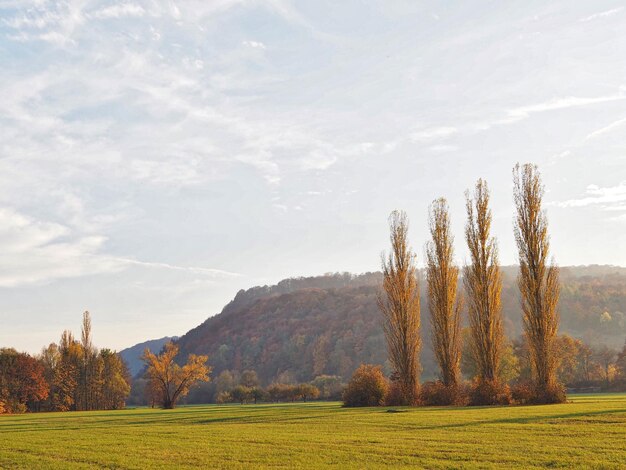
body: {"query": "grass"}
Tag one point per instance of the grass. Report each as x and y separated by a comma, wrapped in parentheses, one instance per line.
(588, 432)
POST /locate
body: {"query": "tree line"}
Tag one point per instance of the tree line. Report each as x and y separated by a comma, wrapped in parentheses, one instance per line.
(539, 288)
(72, 375)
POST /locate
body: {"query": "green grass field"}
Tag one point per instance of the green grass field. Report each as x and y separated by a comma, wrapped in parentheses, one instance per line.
(588, 432)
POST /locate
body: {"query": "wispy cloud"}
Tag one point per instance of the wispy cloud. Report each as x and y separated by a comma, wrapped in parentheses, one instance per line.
(524, 112)
(254, 44)
(605, 130)
(609, 197)
(188, 269)
(433, 133)
(118, 11)
(602, 14)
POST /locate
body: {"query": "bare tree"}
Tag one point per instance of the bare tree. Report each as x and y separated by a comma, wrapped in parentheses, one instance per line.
(483, 285)
(442, 275)
(401, 309)
(538, 281)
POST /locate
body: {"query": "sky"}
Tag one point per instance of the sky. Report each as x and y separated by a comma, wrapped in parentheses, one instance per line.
(157, 156)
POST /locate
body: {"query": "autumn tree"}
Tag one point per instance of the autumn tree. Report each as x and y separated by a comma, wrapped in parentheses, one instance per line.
(22, 381)
(90, 369)
(538, 282)
(401, 309)
(605, 357)
(483, 286)
(174, 381)
(445, 312)
(307, 391)
(66, 375)
(115, 379)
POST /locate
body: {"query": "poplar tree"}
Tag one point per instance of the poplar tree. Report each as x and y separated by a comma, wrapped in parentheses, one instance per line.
(483, 285)
(400, 307)
(538, 282)
(445, 312)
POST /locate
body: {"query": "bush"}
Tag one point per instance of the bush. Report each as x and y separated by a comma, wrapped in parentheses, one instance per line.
(489, 392)
(524, 393)
(554, 394)
(367, 387)
(438, 394)
(394, 396)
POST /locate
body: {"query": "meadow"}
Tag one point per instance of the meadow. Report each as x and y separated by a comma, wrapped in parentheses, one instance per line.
(589, 431)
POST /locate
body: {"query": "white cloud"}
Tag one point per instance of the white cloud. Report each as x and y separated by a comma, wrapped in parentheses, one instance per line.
(119, 11)
(433, 133)
(254, 44)
(37, 252)
(524, 112)
(609, 197)
(443, 148)
(604, 130)
(602, 14)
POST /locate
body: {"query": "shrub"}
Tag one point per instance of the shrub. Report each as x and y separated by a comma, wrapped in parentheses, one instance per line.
(524, 393)
(549, 395)
(367, 387)
(489, 392)
(394, 396)
(438, 394)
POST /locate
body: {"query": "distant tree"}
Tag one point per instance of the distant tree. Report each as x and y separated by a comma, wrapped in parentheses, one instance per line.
(483, 285)
(538, 282)
(330, 386)
(367, 387)
(605, 356)
(401, 309)
(307, 391)
(280, 392)
(225, 381)
(249, 378)
(568, 351)
(173, 380)
(257, 394)
(620, 364)
(241, 394)
(223, 397)
(508, 368)
(442, 275)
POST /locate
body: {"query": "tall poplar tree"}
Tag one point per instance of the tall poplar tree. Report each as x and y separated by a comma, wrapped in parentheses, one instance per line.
(445, 312)
(400, 307)
(538, 282)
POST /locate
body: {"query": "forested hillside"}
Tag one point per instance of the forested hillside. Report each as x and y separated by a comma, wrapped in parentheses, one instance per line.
(328, 325)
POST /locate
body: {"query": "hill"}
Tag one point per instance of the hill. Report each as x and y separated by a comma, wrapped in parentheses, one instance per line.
(304, 327)
(132, 355)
